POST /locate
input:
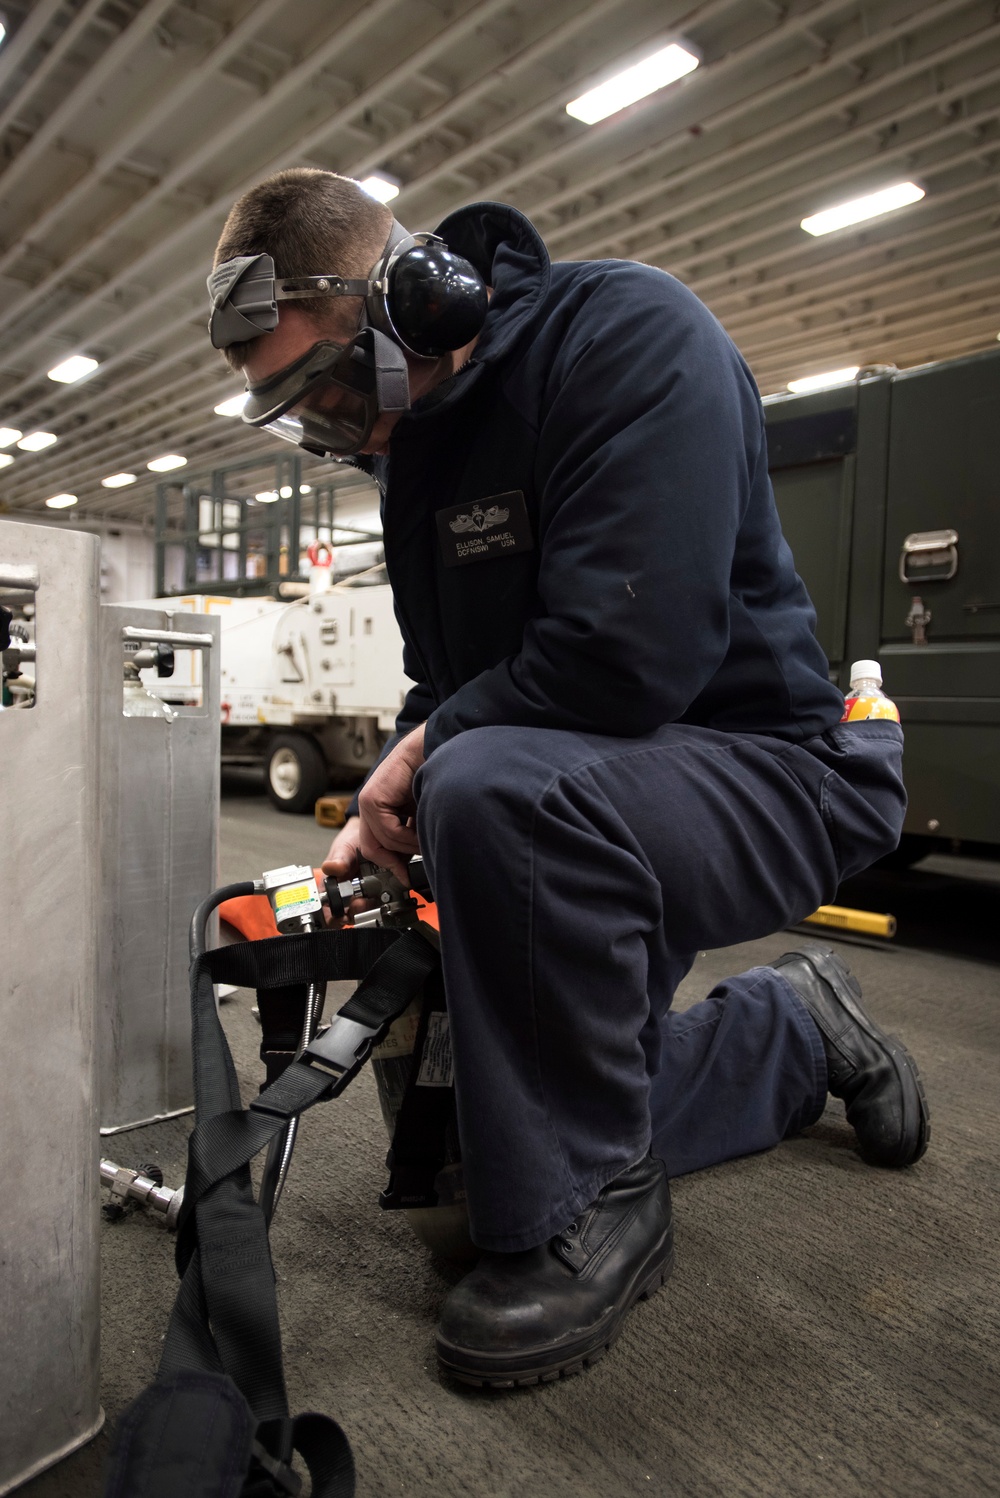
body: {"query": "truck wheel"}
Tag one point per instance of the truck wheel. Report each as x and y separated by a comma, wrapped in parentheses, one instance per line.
(296, 773)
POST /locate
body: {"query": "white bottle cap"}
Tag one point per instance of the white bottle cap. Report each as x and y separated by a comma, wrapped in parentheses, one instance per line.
(866, 671)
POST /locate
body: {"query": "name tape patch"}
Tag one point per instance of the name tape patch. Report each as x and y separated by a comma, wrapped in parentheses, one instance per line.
(494, 527)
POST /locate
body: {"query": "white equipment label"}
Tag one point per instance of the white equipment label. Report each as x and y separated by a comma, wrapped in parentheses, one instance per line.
(436, 1069)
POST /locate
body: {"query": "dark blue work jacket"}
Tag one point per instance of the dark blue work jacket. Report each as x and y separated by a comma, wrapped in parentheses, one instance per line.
(640, 576)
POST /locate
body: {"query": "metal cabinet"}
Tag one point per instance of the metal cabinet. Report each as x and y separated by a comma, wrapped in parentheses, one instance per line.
(49, 1289)
(159, 836)
(889, 495)
(812, 461)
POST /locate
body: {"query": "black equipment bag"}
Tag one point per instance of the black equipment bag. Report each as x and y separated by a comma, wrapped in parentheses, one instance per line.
(215, 1422)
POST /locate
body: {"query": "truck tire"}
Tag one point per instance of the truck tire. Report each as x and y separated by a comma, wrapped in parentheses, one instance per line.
(296, 773)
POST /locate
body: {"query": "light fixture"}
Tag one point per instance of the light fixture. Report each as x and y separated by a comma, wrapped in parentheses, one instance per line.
(10, 435)
(308, 488)
(653, 73)
(382, 189)
(6, 459)
(231, 407)
(118, 480)
(285, 491)
(164, 464)
(73, 369)
(820, 381)
(61, 501)
(900, 195)
(36, 441)
(267, 497)
(3, 33)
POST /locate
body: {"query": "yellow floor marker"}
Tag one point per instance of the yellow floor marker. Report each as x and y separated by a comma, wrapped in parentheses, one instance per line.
(331, 811)
(845, 919)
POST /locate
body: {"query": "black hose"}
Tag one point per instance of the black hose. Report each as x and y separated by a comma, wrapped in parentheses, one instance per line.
(199, 921)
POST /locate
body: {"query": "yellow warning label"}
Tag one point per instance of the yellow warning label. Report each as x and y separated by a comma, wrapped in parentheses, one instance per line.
(296, 894)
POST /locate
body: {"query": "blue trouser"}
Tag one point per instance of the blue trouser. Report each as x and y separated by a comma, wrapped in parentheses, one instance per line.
(577, 876)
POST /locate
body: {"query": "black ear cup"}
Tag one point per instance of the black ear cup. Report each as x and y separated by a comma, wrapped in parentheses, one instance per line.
(436, 300)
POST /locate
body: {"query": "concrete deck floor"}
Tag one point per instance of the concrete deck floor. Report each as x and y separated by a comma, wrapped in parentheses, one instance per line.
(831, 1330)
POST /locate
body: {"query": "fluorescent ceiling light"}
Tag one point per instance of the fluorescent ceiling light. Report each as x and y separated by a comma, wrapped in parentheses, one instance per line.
(900, 195)
(285, 491)
(61, 501)
(267, 497)
(6, 459)
(73, 369)
(232, 407)
(308, 488)
(382, 189)
(653, 73)
(118, 480)
(36, 441)
(164, 464)
(10, 435)
(820, 381)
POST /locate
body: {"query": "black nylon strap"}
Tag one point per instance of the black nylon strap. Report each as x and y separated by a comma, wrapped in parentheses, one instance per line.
(282, 1011)
(225, 1238)
(225, 1317)
(279, 961)
(224, 1142)
(327, 1454)
(419, 1139)
(375, 1002)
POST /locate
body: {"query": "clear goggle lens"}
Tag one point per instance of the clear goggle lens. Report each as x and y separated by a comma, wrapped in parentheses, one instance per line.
(331, 420)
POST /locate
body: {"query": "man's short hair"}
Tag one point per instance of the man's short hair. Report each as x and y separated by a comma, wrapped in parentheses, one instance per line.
(310, 222)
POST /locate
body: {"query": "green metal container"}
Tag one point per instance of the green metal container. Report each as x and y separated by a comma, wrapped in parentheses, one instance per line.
(889, 496)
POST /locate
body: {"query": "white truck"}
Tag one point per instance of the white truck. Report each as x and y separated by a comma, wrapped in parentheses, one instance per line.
(310, 688)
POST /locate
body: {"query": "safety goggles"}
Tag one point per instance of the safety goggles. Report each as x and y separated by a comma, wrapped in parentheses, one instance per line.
(330, 398)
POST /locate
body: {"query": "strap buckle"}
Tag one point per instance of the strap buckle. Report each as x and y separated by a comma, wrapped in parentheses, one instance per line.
(342, 1049)
(410, 1185)
(282, 1472)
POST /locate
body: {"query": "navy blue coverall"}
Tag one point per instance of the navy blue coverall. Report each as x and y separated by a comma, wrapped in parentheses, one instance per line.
(633, 747)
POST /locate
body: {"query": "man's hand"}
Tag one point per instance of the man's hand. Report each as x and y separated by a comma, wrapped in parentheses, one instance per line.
(342, 859)
(385, 833)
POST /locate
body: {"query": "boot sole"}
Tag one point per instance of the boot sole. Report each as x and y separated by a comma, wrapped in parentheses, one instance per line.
(832, 967)
(540, 1365)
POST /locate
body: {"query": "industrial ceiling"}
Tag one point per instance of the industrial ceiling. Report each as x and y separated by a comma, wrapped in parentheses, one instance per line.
(128, 128)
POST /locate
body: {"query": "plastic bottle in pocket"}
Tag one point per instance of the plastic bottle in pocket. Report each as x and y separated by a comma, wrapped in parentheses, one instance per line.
(866, 698)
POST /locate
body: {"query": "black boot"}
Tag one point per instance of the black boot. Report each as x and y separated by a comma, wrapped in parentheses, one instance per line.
(527, 1318)
(873, 1072)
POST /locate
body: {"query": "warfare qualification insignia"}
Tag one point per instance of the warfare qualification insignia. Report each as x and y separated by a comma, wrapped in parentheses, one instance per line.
(479, 519)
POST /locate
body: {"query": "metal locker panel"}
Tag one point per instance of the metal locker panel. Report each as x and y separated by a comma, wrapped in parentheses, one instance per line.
(942, 533)
(951, 774)
(815, 505)
(159, 832)
(50, 1287)
(944, 475)
(811, 441)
